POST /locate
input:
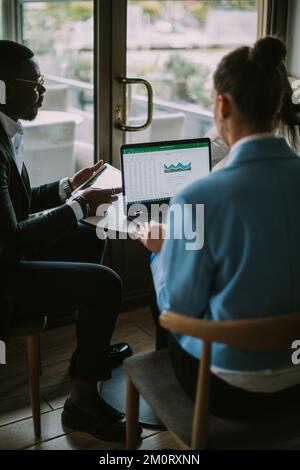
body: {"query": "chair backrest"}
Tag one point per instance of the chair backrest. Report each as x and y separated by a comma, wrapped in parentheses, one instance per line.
(140, 136)
(163, 127)
(56, 98)
(167, 127)
(84, 154)
(264, 334)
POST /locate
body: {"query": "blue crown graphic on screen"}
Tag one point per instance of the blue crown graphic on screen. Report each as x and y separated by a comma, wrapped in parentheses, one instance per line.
(176, 168)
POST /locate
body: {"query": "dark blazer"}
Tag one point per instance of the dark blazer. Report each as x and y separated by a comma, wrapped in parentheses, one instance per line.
(18, 232)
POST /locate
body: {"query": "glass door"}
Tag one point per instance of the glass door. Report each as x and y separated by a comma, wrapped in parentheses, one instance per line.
(176, 45)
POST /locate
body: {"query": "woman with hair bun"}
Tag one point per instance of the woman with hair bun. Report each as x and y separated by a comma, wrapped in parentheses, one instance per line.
(249, 264)
(288, 120)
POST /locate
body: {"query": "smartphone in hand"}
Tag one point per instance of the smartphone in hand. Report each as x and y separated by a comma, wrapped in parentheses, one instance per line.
(87, 184)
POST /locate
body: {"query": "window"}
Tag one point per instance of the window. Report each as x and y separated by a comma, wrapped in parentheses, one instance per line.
(60, 140)
(176, 46)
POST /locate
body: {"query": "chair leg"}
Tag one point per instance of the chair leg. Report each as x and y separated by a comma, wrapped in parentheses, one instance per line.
(132, 415)
(34, 381)
(40, 354)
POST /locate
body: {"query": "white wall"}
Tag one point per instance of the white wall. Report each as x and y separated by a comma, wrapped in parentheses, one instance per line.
(293, 39)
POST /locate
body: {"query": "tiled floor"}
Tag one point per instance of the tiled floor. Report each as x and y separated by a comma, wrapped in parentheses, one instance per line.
(16, 429)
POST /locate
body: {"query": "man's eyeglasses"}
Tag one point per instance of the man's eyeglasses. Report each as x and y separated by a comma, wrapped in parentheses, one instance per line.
(38, 84)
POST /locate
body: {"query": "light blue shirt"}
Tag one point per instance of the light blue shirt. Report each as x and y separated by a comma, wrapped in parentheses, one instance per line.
(249, 265)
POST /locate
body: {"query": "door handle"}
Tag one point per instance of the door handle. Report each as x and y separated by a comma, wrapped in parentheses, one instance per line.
(139, 81)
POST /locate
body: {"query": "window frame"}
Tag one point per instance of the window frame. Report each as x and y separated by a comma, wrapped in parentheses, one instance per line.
(12, 21)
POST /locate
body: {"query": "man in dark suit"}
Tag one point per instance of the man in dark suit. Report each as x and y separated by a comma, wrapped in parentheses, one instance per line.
(50, 262)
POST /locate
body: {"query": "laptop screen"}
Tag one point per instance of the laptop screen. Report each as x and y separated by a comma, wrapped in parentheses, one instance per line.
(158, 171)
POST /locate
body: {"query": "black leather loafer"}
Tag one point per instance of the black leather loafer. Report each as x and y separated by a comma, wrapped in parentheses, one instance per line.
(119, 352)
(106, 424)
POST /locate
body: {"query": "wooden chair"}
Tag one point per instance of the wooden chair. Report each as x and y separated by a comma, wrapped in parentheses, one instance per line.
(189, 422)
(31, 329)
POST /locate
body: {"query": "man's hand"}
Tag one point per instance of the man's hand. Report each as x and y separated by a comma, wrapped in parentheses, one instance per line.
(83, 175)
(95, 197)
(152, 235)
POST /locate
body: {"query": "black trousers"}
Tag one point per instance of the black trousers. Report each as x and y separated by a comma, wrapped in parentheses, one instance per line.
(68, 277)
(226, 400)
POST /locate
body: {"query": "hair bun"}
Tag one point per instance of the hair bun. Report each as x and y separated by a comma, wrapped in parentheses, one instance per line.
(268, 52)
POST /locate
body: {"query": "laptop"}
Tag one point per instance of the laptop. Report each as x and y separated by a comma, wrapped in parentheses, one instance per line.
(153, 173)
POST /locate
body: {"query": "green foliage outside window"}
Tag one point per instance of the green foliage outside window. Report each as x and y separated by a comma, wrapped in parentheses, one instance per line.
(75, 11)
(200, 9)
(189, 80)
(152, 8)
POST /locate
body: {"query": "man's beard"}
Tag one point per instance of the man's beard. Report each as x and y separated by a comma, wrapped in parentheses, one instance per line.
(31, 114)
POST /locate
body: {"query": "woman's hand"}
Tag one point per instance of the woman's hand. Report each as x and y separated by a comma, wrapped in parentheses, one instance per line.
(152, 235)
(83, 175)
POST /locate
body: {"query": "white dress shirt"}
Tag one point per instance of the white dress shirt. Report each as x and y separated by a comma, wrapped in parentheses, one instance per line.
(14, 131)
